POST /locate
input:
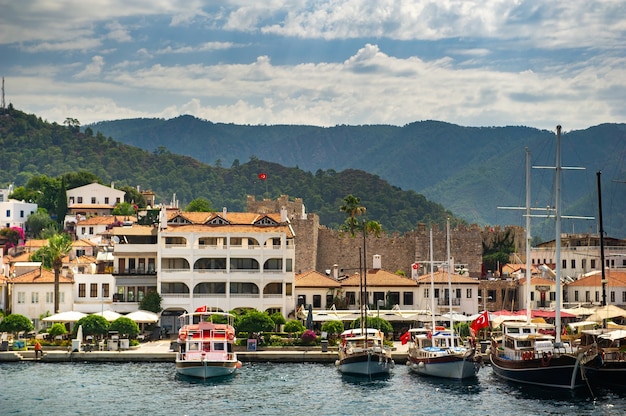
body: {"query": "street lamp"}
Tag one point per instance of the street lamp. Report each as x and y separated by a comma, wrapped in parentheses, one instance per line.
(379, 303)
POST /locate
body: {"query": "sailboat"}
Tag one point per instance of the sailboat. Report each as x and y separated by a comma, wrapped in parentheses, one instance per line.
(610, 369)
(362, 351)
(528, 354)
(440, 352)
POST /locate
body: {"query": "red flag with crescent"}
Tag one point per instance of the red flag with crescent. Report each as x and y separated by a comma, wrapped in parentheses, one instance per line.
(201, 309)
(481, 322)
(263, 176)
(405, 337)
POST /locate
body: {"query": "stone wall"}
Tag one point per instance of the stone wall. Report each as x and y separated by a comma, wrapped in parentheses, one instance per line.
(319, 248)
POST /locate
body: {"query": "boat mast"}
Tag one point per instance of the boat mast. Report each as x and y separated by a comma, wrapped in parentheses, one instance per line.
(557, 230)
(449, 277)
(601, 244)
(528, 242)
(432, 281)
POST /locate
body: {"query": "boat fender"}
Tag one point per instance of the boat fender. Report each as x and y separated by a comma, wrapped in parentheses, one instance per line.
(421, 364)
(408, 362)
(488, 350)
(545, 358)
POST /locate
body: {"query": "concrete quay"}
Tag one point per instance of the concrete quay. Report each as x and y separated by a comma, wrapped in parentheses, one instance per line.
(159, 351)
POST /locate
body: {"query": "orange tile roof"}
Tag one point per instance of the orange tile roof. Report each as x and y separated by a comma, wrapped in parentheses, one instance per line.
(441, 276)
(21, 257)
(315, 279)
(613, 277)
(105, 220)
(34, 245)
(82, 243)
(40, 276)
(378, 277)
(537, 281)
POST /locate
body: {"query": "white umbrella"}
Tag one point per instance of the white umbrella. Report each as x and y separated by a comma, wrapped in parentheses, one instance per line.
(79, 333)
(143, 316)
(69, 316)
(109, 315)
(607, 312)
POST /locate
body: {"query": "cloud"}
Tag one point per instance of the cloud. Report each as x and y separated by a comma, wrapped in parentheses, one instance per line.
(93, 69)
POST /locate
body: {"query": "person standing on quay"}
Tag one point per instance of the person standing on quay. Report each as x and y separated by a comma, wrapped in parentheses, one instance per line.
(38, 350)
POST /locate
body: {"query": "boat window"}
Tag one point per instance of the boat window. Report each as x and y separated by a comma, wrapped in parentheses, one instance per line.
(524, 344)
(527, 330)
(513, 330)
(218, 346)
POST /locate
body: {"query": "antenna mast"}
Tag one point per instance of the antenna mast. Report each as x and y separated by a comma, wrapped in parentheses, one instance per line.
(3, 105)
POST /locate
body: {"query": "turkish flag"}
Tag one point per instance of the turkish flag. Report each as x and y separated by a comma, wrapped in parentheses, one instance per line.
(201, 309)
(405, 337)
(481, 322)
(263, 176)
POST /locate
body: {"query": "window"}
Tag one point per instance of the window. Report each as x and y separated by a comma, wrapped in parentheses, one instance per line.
(8, 213)
(105, 290)
(317, 301)
(21, 297)
(80, 253)
(61, 297)
(379, 296)
(93, 290)
(50, 297)
(552, 296)
(597, 296)
(532, 295)
(584, 263)
(468, 293)
(426, 294)
(576, 296)
(289, 265)
(82, 230)
(573, 262)
(93, 199)
(623, 297)
(351, 298)
(301, 300)
(34, 297)
(564, 263)
(90, 230)
(394, 298)
(436, 293)
(587, 296)
(288, 288)
(82, 290)
(408, 298)
(612, 296)
(22, 214)
(80, 199)
(106, 200)
(593, 263)
(117, 200)
(329, 301)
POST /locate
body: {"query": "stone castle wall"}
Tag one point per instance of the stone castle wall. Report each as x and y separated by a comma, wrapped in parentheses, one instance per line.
(319, 248)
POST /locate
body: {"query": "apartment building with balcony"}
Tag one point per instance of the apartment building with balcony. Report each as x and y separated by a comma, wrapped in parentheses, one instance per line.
(227, 260)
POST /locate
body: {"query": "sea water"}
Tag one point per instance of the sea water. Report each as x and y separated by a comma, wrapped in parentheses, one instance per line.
(37, 388)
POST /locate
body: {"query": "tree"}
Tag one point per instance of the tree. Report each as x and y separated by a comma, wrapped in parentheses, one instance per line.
(374, 322)
(124, 208)
(125, 326)
(56, 330)
(133, 196)
(278, 319)
(61, 205)
(39, 221)
(333, 327)
(352, 207)
(151, 302)
(294, 326)
(15, 323)
(199, 205)
(13, 235)
(52, 257)
(255, 321)
(95, 325)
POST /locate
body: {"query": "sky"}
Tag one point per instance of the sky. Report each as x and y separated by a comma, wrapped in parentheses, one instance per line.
(534, 63)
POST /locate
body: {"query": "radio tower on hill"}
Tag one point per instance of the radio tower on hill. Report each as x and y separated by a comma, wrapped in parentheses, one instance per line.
(3, 106)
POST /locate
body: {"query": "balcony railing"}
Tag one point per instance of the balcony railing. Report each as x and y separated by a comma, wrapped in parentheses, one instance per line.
(446, 302)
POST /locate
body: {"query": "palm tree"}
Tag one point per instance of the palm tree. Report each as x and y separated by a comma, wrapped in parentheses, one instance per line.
(52, 257)
(352, 206)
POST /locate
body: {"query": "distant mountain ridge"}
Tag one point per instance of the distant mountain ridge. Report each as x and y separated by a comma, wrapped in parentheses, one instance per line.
(469, 170)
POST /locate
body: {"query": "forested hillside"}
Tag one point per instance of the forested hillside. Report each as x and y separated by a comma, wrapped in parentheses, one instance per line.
(469, 170)
(33, 147)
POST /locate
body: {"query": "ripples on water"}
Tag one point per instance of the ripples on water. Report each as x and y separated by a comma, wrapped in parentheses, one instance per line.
(275, 389)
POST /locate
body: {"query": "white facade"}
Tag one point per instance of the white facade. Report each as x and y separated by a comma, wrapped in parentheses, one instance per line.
(94, 194)
(93, 292)
(14, 213)
(463, 295)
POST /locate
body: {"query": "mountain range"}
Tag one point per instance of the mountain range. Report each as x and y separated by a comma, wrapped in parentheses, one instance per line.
(471, 171)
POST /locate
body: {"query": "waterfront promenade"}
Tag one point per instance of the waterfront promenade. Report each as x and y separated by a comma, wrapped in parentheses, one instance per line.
(159, 351)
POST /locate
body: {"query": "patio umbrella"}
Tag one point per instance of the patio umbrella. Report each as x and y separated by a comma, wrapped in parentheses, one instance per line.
(69, 316)
(309, 317)
(607, 312)
(144, 317)
(79, 333)
(108, 315)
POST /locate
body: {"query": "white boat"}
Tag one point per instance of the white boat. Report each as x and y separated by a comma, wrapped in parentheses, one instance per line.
(363, 353)
(438, 351)
(206, 345)
(441, 353)
(529, 353)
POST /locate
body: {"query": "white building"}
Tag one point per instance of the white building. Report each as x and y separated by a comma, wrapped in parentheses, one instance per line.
(93, 199)
(14, 213)
(464, 296)
(227, 261)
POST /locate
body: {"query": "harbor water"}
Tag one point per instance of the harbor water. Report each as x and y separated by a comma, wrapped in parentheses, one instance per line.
(35, 388)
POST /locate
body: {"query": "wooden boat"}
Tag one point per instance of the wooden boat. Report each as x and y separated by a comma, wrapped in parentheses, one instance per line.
(441, 353)
(528, 353)
(362, 353)
(206, 345)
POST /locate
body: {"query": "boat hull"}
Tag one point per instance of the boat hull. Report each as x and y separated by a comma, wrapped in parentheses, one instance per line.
(206, 369)
(608, 374)
(365, 364)
(561, 372)
(451, 367)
